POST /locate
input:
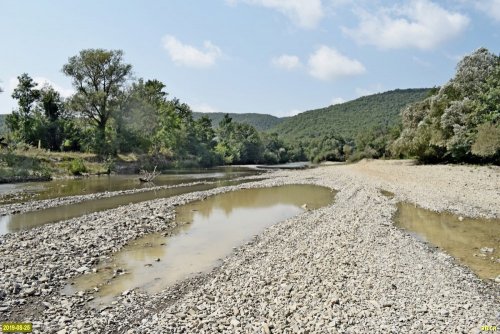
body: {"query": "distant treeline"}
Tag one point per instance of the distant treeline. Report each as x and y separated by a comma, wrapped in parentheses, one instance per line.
(111, 113)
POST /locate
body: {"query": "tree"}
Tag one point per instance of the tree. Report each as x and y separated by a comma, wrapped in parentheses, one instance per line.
(459, 122)
(138, 120)
(98, 77)
(21, 121)
(238, 143)
(51, 109)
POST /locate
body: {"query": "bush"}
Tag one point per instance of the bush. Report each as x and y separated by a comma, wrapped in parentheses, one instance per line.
(77, 167)
(487, 143)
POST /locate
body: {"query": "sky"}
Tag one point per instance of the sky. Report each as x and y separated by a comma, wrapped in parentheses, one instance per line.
(279, 57)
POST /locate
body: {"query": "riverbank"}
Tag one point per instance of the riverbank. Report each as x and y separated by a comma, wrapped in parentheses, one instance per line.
(342, 268)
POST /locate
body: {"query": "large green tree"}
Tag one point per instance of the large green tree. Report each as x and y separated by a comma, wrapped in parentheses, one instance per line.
(22, 120)
(460, 122)
(238, 142)
(99, 77)
(51, 114)
(139, 119)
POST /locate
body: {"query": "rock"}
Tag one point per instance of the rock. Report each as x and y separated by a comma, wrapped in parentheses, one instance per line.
(486, 250)
(234, 322)
(30, 291)
(157, 259)
(4, 309)
(265, 328)
(79, 324)
(82, 269)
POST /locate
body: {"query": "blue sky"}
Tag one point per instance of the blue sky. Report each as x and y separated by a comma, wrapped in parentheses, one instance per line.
(268, 56)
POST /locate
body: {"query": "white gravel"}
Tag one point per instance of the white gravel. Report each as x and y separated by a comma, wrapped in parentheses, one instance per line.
(340, 269)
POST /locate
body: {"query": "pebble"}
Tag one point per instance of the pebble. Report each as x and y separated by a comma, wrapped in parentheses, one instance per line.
(339, 269)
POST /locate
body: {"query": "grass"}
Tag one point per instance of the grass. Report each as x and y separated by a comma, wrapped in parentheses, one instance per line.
(33, 163)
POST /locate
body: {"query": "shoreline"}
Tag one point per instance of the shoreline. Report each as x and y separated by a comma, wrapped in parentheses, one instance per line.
(334, 267)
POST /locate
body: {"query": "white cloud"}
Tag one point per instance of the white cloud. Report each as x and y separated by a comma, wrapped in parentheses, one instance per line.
(65, 92)
(294, 112)
(41, 81)
(286, 62)
(369, 91)
(490, 7)
(337, 100)
(329, 64)
(187, 55)
(420, 24)
(203, 107)
(304, 13)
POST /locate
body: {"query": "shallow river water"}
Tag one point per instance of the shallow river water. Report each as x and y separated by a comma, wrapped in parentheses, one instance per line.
(473, 242)
(28, 220)
(12, 193)
(214, 227)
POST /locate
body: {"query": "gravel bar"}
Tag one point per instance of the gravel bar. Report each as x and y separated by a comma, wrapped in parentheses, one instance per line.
(340, 269)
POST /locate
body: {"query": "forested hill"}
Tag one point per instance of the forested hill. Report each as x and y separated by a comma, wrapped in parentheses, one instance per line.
(351, 118)
(261, 122)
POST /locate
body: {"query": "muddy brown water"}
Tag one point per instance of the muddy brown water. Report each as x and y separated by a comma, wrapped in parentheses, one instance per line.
(15, 193)
(473, 242)
(29, 220)
(214, 227)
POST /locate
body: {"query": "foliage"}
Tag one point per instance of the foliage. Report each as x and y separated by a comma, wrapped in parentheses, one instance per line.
(16, 166)
(238, 143)
(348, 119)
(98, 77)
(261, 122)
(77, 167)
(487, 144)
(23, 121)
(460, 122)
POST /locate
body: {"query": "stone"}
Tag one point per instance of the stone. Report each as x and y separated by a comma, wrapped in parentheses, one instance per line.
(82, 269)
(487, 250)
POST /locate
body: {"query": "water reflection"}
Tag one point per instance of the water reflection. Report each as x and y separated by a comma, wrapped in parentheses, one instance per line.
(103, 183)
(473, 242)
(217, 224)
(28, 220)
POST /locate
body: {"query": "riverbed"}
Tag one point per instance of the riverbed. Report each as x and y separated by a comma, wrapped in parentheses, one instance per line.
(341, 268)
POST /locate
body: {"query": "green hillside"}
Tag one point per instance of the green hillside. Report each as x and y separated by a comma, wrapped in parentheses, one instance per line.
(351, 118)
(261, 122)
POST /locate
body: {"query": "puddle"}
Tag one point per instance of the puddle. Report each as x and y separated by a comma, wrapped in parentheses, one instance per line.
(216, 225)
(473, 242)
(28, 220)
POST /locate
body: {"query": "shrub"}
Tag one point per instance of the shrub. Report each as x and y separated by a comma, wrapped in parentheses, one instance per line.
(487, 143)
(77, 167)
